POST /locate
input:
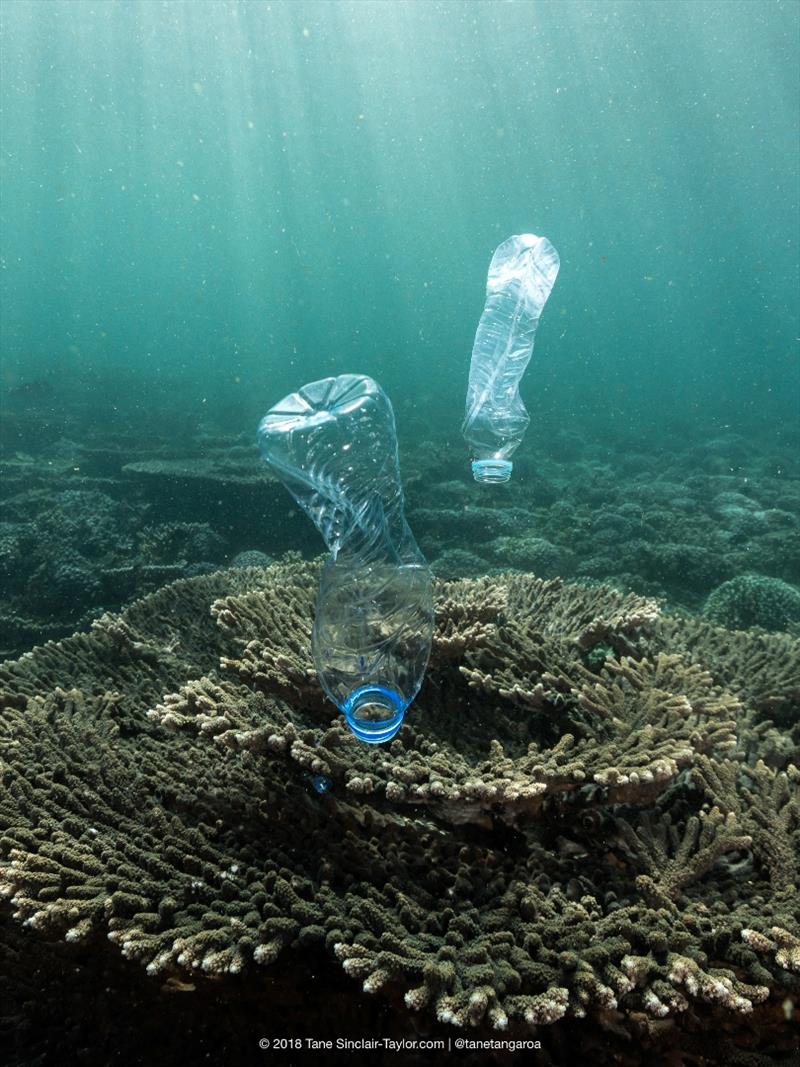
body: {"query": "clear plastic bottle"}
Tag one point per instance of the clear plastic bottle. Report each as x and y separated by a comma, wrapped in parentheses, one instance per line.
(521, 276)
(333, 444)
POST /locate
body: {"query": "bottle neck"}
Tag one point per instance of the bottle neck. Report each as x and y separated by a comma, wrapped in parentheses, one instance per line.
(374, 713)
(491, 471)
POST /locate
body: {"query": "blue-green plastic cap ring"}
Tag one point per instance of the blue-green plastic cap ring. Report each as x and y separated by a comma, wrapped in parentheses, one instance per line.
(374, 713)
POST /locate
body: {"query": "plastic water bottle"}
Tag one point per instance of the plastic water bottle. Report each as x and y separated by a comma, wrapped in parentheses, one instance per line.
(333, 444)
(521, 276)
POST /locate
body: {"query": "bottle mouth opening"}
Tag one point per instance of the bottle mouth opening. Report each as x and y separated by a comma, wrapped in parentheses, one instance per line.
(374, 713)
(491, 471)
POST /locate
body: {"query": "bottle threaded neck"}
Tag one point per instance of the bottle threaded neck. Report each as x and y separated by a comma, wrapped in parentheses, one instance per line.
(491, 471)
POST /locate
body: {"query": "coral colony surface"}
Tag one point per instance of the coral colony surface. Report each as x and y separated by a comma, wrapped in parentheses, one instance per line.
(588, 829)
(91, 521)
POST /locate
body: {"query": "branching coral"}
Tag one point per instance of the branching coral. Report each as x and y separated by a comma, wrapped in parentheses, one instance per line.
(762, 669)
(766, 803)
(548, 837)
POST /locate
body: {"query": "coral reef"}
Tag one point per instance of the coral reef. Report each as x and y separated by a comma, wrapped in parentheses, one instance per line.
(592, 813)
(754, 600)
(81, 534)
(531, 553)
(251, 557)
(92, 522)
(459, 563)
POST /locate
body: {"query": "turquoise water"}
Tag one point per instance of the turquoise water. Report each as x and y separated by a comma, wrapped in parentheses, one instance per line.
(206, 205)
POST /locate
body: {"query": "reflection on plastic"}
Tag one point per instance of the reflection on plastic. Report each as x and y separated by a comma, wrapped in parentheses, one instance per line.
(521, 276)
(334, 446)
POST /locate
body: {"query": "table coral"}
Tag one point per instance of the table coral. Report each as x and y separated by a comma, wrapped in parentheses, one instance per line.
(551, 836)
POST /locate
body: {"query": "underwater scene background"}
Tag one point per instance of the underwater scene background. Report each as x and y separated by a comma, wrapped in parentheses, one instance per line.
(587, 832)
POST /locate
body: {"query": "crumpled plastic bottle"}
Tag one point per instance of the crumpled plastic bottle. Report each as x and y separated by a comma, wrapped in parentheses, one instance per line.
(521, 276)
(334, 446)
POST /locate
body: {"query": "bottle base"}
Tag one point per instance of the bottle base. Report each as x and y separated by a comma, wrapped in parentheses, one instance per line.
(374, 713)
(491, 471)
